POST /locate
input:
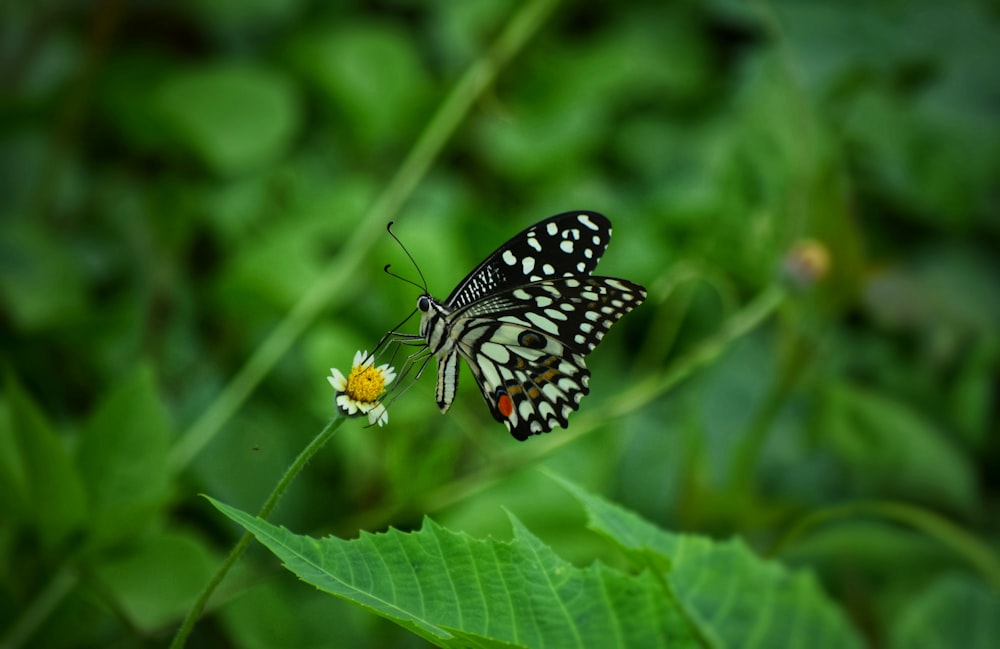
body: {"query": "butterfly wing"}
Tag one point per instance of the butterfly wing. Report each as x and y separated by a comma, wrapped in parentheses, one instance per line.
(567, 244)
(526, 346)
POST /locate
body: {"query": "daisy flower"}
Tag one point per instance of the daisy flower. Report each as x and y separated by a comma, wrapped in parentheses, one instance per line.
(358, 393)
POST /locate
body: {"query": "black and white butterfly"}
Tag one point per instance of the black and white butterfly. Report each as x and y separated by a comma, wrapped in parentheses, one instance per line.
(524, 320)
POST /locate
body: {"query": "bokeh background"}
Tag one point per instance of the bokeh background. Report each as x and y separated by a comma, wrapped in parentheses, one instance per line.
(178, 178)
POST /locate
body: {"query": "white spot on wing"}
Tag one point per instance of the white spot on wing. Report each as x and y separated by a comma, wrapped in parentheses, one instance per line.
(542, 322)
(566, 246)
(509, 258)
(528, 265)
(533, 242)
(548, 269)
(496, 352)
(552, 228)
(585, 220)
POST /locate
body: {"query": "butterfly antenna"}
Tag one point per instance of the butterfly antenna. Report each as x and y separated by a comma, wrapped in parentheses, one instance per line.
(412, 261)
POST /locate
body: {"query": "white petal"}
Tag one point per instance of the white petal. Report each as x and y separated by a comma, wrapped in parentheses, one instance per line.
(337, 380)
(358, 357)
(388, 373)
(347, 404)
(378, 415)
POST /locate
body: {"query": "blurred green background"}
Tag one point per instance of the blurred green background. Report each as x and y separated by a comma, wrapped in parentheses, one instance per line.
(175, 177)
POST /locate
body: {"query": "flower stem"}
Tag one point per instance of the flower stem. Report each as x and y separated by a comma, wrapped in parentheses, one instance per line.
(272, 501)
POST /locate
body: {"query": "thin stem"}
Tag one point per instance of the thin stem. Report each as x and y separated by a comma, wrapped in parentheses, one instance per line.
(964, 544)
(327, 291)
(272, 501)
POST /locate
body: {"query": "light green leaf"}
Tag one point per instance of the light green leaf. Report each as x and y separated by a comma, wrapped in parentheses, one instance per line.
(123, 458)
(50, 496)
(456, 591)
(954, 612)
(235, 118)
(734, 598)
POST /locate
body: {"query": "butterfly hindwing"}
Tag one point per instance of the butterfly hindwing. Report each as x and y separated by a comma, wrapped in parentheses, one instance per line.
(567, 244)
(537, 397)
(526, 346)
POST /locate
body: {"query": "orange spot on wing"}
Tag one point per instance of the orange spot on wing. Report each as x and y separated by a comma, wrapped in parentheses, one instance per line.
(505, 405)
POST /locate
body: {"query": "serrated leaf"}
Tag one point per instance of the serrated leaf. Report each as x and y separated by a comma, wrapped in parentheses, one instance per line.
(123, 458)
(735, 598)
(51, 495)
(456, 591)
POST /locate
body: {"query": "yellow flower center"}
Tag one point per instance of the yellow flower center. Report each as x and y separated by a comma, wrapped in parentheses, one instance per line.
(365, 383)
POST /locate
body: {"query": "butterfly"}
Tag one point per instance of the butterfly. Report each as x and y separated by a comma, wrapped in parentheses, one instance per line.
(525, 319)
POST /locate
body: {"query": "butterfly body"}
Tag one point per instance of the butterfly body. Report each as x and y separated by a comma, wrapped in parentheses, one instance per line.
(524, 320)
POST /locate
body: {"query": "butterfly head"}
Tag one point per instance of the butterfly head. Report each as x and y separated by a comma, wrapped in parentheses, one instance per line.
(430, 313)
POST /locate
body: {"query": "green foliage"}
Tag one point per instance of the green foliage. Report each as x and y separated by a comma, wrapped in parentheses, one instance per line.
(193, 199)
(456, 591)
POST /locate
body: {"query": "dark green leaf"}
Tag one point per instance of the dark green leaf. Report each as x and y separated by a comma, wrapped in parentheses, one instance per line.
(155, 583)
(235, 118)
(955, 611)
(894, 451)
(49, 494)
(123, 458)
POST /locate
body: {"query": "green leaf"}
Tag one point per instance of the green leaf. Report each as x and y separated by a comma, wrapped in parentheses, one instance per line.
(280, 613)
(123, 458)
(953, 612)
(456, 591)
(235, 118)
(895, 452)
(372, 75)
(155, 583)
(733, 597)
(49, 494)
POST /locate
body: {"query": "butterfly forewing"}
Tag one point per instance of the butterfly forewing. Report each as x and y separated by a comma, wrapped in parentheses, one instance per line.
(525, 319)
(563, 245)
